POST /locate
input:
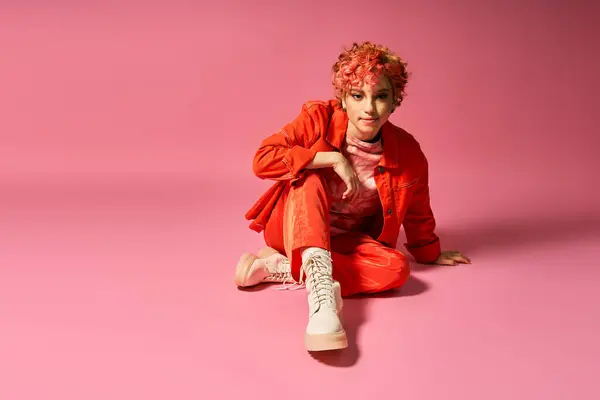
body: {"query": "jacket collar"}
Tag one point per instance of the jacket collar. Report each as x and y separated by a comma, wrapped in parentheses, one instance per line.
(336, 133)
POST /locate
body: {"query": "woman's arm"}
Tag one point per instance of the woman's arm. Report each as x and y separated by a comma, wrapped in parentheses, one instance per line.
(419, 223)
(324, 159)
(285, 154)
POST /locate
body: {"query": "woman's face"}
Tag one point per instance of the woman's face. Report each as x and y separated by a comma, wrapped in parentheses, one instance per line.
(368, 108)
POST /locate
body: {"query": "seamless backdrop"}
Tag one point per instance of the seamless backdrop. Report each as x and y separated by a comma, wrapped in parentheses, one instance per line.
(127, 131)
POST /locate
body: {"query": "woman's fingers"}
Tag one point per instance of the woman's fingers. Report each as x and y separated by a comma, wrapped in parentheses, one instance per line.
(352, 187)
(462, 259)
(446, 261)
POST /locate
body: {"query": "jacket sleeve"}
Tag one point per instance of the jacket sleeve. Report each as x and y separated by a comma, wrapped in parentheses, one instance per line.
(285, 154)
(419, 223)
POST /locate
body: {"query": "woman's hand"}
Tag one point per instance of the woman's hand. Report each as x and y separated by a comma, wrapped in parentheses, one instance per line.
(341, 166)
(452, 258)
(344, 169)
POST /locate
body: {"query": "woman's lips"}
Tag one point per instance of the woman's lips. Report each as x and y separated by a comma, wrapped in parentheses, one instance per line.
(369, 121)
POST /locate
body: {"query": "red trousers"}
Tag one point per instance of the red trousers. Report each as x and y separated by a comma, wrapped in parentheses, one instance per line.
(360, 263)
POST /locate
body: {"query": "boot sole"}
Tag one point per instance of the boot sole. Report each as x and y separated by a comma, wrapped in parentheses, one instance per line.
(243, 268)
(245, 263)
(325, 342)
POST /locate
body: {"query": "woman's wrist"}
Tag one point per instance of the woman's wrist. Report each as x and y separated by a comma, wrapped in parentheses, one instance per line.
(325, 159)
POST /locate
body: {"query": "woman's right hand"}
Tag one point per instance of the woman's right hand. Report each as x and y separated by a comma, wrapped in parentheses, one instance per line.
(341, 166)
(344, 169)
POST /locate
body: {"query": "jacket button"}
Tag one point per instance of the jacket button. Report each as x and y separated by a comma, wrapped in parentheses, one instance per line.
(389, 211)
(380, 169)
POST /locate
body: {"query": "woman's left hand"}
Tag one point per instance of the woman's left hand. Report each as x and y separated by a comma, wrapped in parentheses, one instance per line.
(452, 258)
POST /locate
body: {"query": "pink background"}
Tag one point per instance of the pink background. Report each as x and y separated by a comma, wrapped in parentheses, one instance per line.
(127, 131)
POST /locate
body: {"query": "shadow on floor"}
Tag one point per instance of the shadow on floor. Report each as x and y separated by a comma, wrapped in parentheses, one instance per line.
(500, 236)
(488, 237)
(355, 316)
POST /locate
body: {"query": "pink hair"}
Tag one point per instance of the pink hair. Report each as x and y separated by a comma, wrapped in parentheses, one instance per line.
(366, 63)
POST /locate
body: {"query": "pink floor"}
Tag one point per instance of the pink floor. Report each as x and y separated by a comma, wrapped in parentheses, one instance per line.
(125, 291)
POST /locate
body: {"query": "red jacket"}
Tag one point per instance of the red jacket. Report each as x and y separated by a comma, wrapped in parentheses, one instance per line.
(401, 177)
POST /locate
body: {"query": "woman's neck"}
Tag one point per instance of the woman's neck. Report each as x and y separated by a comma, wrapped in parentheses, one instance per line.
(375, 138)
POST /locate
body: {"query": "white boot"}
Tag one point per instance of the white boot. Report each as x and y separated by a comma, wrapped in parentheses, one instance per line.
(268, 267)
(324, 330)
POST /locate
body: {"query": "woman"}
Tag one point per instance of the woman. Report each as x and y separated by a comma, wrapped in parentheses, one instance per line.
(346, 180)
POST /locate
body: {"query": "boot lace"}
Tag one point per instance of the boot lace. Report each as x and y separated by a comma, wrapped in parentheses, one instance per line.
(281, 273)
(319, 279)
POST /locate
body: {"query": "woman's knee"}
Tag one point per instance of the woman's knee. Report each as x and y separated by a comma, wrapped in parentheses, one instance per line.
(403, 269)
(312, 180)
(398, 267)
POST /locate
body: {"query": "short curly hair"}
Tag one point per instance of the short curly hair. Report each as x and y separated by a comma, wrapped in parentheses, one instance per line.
(364, 63)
